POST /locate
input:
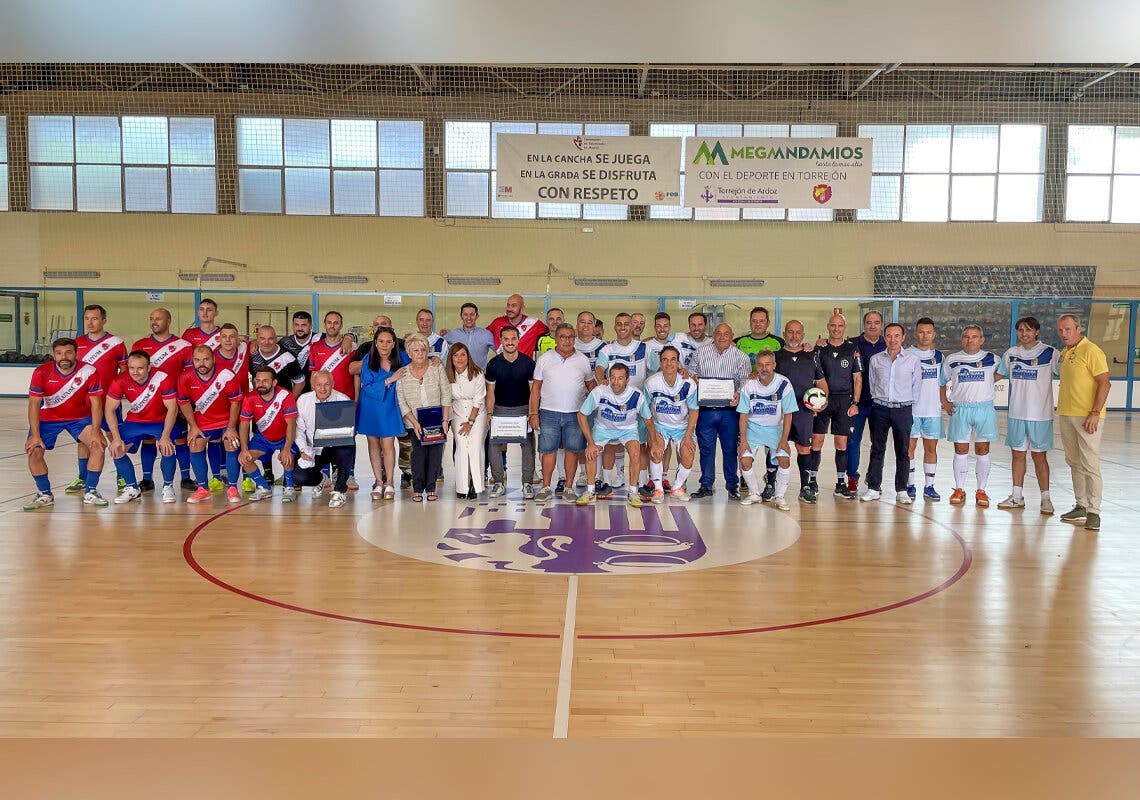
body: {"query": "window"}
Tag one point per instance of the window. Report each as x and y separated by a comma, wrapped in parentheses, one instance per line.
(935, 173)
(471, 157)
(3, 163)
(683, 130)
(330, 166)
(144, 163)
(1103, 174)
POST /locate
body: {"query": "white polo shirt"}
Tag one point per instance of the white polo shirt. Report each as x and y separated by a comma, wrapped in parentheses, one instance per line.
(563, 381)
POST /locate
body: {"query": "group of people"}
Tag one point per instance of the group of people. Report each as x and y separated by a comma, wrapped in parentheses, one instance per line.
(220, 408)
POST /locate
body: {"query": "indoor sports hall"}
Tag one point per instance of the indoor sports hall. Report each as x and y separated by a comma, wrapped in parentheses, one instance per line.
(997, 192)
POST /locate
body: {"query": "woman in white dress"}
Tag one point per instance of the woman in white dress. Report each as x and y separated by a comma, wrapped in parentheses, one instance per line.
(469, 420)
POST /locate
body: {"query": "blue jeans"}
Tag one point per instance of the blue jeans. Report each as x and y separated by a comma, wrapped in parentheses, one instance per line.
(714, 424)
(855, 439)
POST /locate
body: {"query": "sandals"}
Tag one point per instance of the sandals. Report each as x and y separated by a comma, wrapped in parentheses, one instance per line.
(417, 497)
(432, 497)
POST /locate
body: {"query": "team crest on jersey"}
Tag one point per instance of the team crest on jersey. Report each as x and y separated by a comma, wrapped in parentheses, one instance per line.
(845, 363)
(77, 381)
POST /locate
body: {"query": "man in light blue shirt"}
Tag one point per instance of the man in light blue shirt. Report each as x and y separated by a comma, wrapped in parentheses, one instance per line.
(895, 378)
(479, 341)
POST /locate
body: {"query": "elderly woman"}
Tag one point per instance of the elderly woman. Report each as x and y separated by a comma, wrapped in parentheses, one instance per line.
(423, 385)
(468, 399)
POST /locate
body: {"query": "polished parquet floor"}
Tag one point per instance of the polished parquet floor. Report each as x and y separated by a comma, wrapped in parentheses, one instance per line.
(423, 620)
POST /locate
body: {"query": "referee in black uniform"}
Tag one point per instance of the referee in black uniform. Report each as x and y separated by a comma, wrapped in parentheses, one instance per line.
(842, 367)
(800, 368)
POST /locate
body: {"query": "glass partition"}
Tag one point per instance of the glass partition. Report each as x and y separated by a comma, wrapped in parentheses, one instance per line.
(606, 308)
(360, 309)
(30, 319)
(951, 316)
(250, 310)
(814, 314)
(128, 312)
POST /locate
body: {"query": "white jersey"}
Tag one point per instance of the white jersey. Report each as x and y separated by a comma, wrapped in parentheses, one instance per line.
(634, 355)
(436, 345)
(590, 349)
(655, 347)
(970, 377)
(767, 405)
(1030, 374)
(670, 405)
(689, 346)
(616, 412)
(929, 402)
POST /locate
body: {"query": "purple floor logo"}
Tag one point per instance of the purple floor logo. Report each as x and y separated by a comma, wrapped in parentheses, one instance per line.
(511, 536)
(571, 542)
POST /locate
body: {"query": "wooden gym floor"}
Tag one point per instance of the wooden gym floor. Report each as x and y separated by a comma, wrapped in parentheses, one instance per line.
(457, 619)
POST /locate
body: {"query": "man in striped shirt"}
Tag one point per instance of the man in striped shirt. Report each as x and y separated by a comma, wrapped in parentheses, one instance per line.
(722, 360)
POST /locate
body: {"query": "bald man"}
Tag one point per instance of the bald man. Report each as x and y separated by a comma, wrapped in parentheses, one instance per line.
(531, 329)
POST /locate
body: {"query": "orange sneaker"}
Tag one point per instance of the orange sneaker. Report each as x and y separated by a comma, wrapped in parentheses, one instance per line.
(958, 498)
(981, 499)
(201, 494)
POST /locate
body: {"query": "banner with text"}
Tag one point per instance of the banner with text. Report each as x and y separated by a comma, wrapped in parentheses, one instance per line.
(616, 170)
(777, 173)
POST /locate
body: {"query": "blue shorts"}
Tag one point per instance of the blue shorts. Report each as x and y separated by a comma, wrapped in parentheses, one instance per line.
(927, 428)
(1024, 434)
(978, 419)
(213, 435)
(560, 430)
(767, 436)
(154, 430)
(265, 446)
(674, 435)
(603, 437)
(50, 431)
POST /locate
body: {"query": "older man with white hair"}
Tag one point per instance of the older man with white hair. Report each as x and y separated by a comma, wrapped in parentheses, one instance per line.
(313, 458)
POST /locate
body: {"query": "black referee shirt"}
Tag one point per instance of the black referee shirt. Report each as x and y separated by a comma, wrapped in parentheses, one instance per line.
(799, 368)
(838, 363)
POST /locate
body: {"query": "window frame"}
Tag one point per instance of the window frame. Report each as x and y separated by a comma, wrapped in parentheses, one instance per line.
(1112, 174)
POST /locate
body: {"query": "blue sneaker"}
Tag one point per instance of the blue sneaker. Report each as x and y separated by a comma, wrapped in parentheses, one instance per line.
(910, 492)
(929, 494)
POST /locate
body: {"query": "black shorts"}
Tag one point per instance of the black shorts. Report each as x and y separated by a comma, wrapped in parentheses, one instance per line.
(834, 419)
(801, 428)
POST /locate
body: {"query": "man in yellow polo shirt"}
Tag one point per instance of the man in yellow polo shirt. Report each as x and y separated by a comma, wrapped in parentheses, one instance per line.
(554, 318)
(1080, 414)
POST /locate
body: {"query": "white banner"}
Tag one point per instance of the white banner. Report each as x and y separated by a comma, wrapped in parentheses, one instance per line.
(615, 170)
(777, 173)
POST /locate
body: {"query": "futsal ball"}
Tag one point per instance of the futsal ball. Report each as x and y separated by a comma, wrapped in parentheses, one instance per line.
(815, 399)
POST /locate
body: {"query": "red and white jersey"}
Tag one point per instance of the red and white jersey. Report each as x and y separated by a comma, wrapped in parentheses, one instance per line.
(107, 354)
(238, 365)
(196, 336)
(210, 395)
(330, 358)
(172, 355)
(269, 417)
(146, 401)
(531, 329)
(66, 398)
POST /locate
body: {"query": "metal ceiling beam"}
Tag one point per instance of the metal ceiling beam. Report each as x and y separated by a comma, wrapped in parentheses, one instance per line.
(886, 69)
(426, 85)
(195, 71)
(642, 79)
(1079, 92)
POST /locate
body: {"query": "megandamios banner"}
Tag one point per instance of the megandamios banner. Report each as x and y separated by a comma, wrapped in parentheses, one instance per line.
(616, 170)
(777, 173)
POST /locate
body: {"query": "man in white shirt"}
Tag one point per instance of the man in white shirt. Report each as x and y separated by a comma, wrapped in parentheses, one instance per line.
(695, 339)
(562, 378)
(425, 324)
(968, 397)
(1030, 366)
(673, 421)
(311, 458)
(639, 361)
(766, 406)
(619, 406)
(586, 342)
(662, 334)
(895, 379)
(927, 410)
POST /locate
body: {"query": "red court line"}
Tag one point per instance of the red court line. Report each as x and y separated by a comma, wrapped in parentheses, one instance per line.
(963, 568)
(188, 554)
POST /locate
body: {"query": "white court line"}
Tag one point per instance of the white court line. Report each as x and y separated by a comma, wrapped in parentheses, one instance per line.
(562, 704)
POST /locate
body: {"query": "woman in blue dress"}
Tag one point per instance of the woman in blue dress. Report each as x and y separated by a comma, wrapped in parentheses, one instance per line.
(377, 412)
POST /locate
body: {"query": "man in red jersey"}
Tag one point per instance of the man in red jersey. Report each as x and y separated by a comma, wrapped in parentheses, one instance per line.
(274, 413)
(233, 354)
(104, 351)
(151, 403)
(170, 354)
(328, 354)
(210, 399)
(531, 329)
(206, 331)
(64, 396)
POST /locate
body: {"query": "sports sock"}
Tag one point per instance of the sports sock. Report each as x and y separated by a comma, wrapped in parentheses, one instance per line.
(682, 475)
(961, 467)
(214, 456)
(782, 477)
(201, 468)
(913, 472)
(840, 464)
(43, 485)
(803, 460)
(982, 469)
(930, 470)
(750, 479)
(233, 470)
(182, 453)
(92, 480)
(83, 468)
(167, 465)
(1018, 492)
(126, 470)
(148, 452)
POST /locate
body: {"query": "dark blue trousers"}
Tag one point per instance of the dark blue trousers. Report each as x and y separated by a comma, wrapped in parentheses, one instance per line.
(715, 424)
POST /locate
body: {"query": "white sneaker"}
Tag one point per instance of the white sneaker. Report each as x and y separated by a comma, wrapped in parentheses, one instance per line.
(1012, 502)
(128, 494)
(42, 500)
(1046, 507)
(260, 493)
(389, 493)
(779, 502)
(749, 499)
(903, 499)
(318, 491)
(168, 495)
(870, 495)
(353, 486)
(679, 493)
(289, 494)
(93, 498)
(336, 500)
